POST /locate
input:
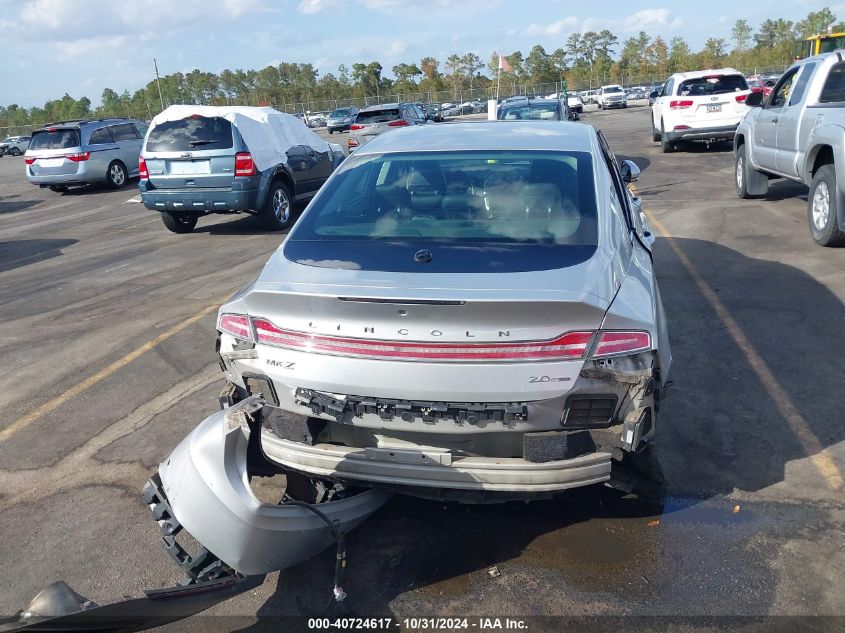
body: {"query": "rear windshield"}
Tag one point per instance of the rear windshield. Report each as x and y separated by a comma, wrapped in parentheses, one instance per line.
(502, 211)
(834, 86)
(56, 139)
(533, 112)
(712, 85)
(378, 116)
(193, 133)
(610, 89)
(338, 113)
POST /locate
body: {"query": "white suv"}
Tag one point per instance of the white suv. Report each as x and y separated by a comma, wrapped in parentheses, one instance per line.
(611, 97)
(705, 105)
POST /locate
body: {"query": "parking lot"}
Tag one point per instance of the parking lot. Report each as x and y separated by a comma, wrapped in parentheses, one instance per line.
(107, 340)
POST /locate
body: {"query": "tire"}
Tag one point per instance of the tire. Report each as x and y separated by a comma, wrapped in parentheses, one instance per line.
(655, 135)
(179, 222)
(58, 188)
(15, 151)
(665, 146)
(116, 175)
(624, 105)
(277, 214)
(822, 216)
(741, 175)
(331, 132)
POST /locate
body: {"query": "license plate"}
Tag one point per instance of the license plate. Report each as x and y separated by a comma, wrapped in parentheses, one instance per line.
(714, 107)
(190, 167)
(50, 162)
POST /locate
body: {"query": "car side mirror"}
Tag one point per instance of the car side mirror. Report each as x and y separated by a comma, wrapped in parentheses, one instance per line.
(653, 95)
(630, 171)
(754, 100)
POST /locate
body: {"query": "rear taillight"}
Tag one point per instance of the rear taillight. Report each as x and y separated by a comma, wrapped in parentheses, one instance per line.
(352, 142)
(29, 160)
(399, 123)
(570, 346)
(681, 127)
(741, 98)
(244, 165)
(78, 157)
(355, 126)
(142, 168)
(613, 343)
(679, 104)
(235, 324)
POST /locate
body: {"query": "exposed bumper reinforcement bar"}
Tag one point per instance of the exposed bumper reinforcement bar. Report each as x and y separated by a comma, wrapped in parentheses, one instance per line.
(437, 469)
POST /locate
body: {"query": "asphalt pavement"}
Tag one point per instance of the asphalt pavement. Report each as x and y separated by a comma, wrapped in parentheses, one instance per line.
(107, 346)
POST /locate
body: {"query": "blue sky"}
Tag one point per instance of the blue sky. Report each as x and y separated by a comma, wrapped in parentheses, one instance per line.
(51, 47)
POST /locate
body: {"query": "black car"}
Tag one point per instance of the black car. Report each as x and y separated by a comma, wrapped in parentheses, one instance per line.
(536, 110)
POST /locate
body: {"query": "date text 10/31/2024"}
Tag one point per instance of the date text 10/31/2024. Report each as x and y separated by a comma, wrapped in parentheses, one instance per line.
(417, 624)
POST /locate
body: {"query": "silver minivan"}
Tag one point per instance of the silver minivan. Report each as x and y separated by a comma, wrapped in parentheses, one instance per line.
(73, 153)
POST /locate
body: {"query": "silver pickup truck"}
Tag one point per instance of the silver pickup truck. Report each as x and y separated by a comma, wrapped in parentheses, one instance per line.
(799, 133)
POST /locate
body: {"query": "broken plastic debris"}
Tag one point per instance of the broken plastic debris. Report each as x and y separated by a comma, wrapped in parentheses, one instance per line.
(494, 572)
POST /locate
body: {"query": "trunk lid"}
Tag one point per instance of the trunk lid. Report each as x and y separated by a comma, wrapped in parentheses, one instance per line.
(49, 150)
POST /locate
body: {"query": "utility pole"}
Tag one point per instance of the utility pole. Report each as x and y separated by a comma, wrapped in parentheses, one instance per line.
(158, 83)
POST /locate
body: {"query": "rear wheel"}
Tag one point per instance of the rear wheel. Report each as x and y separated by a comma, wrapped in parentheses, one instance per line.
(116, 175)
(665, 146)
(655, 135)
(179, 222)
(822, 215)
(15, 151)
(278, 212)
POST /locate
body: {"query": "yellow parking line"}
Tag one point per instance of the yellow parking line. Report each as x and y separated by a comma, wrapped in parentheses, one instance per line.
(810, 443)
(72, 392)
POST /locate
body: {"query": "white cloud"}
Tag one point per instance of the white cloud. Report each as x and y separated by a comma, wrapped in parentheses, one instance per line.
(555, 28)
(309, 7)
(652, 19)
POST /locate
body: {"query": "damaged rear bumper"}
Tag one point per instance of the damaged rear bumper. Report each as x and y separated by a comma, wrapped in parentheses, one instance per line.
(433, 468)
(205, 481)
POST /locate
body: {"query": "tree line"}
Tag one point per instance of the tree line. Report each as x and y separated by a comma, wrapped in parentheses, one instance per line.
(587, 58)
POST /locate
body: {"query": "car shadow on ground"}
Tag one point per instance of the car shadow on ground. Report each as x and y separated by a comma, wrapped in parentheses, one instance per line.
(720, 430)
(19, 253)
(245, 224)
(784, 189)
(8, 205)
(131, 187)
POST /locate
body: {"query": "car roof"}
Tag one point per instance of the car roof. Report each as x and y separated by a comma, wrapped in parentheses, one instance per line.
(530, 102)
(383, 106)
(77, 123)
(485, 136)
(696, 74)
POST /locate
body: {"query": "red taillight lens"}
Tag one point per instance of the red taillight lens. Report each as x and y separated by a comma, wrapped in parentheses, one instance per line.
(29, 160)
(681, 127)
(142, 168)
(244, 165)
(741, 98)
(356, 127)
(399, 123)
(680, 104)
(569, 346)
(352, 142)
(235, 324)
(78, 157)
(612, 343)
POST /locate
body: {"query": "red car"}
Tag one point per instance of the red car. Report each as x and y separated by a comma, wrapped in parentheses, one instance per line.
(764, 85)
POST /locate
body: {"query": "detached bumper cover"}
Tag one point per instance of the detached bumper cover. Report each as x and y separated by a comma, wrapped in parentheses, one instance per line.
(206, 484)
